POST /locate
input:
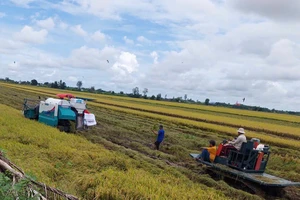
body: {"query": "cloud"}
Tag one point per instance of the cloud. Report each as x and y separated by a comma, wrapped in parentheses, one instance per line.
(120, 68)
(156, 10)
(273, 9)
(125, 64)
(50, 74)
(79, 31)
(63, 25)
(226, 67)
(24, 3)
(28, 35)
(283, 53)
(46, 23)
(128, 41)
(142, 39)
(26, 60)
(8, 46)
(154, 55)
(253, 52)
(92, 58)
(72, 78)
(98, 36)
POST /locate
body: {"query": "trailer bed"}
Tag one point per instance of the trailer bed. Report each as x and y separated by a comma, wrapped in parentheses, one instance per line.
(263, 179)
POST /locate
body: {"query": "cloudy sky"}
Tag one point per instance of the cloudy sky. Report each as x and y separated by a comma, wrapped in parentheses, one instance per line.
(223, 50)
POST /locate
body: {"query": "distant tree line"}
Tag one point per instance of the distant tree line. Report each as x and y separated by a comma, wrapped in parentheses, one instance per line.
(137, 94)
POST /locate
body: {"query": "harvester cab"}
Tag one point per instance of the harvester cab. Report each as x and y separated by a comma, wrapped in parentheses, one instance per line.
(59, 113)
(31, 108)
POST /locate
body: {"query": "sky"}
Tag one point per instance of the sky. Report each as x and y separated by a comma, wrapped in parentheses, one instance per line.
(223, 50)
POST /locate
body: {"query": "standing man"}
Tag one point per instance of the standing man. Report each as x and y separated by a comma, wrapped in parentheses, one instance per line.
(160, 136)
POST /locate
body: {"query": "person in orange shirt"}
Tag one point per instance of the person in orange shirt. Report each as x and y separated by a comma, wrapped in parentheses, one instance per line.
(208, 153)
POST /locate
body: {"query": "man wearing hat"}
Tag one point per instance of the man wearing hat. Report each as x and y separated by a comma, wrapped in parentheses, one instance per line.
(237, 143)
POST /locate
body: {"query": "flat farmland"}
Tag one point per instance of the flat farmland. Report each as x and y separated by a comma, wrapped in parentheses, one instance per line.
(124, 128)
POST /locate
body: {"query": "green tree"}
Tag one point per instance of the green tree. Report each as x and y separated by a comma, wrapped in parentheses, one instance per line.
(136, 92)
(145, 91)
(34, 82)
(62, 85)
(92, 89)
(158, 97)
(79, 84)
(206, 101)
(54, 85)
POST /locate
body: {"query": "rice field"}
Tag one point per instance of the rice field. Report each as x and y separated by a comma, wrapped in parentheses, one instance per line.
(122, 140)
(254, 114)
(87, 170)
(270, 132)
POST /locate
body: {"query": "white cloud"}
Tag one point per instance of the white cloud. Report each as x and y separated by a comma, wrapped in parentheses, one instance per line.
(274, 9)
(120, 65)
(92, 58)
(28, 35)
(46, 23)
(26, 60)
(142, 39)
(9, 46)
(125, 64)
(154, 10)
(51, 74)
(98, 36)
(72, 78)
(154, 55)
(79, 31)
(63, 25)
(22, 2)
(283, 53)
(128, 41)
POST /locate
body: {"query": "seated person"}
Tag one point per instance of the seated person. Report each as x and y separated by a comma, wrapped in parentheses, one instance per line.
(208, 153)
(237, 142)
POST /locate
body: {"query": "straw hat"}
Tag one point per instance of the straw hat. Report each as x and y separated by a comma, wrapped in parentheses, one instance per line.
(241, 130)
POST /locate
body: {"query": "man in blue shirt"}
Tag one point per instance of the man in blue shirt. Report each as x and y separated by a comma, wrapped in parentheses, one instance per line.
(160, 136)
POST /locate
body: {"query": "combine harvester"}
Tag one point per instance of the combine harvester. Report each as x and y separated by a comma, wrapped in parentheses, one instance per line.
(60, 112)
(247, 168)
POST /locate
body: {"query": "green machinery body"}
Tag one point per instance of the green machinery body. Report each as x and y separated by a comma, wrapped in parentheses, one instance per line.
(52, 112)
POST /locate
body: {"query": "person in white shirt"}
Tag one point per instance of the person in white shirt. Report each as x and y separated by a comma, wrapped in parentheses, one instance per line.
(237, 143)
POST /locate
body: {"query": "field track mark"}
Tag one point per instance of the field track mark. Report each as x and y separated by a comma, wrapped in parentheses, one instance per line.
(206, 121)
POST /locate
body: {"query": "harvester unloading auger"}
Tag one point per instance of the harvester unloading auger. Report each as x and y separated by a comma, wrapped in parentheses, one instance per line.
(60, 112)
(247, 167)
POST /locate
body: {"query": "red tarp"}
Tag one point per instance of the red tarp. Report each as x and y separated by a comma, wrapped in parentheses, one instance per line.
(62, 96)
